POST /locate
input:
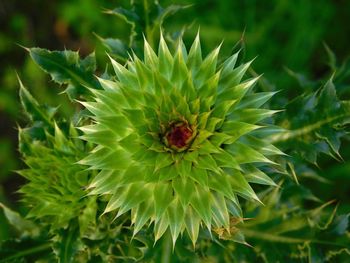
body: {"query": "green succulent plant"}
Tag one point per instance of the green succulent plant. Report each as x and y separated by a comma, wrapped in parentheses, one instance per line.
(177, 138)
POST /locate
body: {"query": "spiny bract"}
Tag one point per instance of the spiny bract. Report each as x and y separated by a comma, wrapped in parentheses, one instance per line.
(176, 137)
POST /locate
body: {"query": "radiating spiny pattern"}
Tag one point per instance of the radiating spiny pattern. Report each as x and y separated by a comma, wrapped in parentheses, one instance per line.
(177, 139)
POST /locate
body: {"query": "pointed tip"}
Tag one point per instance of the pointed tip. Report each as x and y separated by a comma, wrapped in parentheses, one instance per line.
(161, 36)
(90, 186)
(163, 47)
(256, 198)
(243, 33)
(252, 60)
(156, 238)
(144, 37)
(103, 213)
(145, 43)
(194, 244)
(97, 36)
(197, 39)
(133, 235)
(21, 46)
(19, 81)
(221, 43)
(174, 243)
(110, 57)
(198, 32)
(247, 244)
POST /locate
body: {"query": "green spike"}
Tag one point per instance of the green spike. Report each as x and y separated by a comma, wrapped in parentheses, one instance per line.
(150, 56)
(176, 219)
(194, 59)
(143, 213)
(183, 187)
(201, 202)
(220, 213)
(124, 76)
(228, 65)
(165, 58)
(192, 223)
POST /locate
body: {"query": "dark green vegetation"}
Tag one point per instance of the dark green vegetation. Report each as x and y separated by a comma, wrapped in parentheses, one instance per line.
(306, 219)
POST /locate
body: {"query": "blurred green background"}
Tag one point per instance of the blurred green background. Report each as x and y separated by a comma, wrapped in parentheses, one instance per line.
(282, 33)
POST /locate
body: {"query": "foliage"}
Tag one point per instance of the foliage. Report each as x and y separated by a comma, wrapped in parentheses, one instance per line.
(80, 214)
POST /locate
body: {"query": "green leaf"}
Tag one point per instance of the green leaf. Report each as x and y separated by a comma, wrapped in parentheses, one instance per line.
(128, 15)
(67, 244)
(65, 67)
(315, 123)
(32, 108)
(23, 226)
(115, 47)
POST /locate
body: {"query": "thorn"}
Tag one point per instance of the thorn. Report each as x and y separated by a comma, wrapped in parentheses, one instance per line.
(247, 244)
(26, 48)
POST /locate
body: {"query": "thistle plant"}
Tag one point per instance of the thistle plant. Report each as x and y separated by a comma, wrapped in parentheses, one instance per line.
(175, 155)
(178, 137)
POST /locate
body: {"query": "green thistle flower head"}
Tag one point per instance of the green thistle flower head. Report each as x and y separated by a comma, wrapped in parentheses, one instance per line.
(55, 187)
(177, 140)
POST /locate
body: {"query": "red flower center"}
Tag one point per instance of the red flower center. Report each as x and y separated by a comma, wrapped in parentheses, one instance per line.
(179, 135)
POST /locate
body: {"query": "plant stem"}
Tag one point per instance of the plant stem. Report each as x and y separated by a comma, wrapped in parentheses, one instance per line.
(304, 130)
(28, 251)
(166, 247)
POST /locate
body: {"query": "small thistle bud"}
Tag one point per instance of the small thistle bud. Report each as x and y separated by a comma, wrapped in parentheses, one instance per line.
(177, 140)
